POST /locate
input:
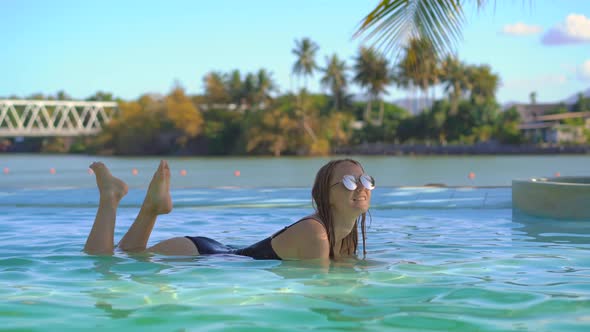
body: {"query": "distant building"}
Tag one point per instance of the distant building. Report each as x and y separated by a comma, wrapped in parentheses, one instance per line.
(539, 126)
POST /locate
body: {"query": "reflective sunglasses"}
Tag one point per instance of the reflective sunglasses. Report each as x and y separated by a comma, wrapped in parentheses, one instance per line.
(351, 183)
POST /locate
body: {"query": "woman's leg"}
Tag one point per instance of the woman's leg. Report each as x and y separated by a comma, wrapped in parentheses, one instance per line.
(111, 189)
(157, 201)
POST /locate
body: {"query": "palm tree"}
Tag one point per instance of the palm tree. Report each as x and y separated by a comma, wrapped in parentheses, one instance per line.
(484, 83)
(533, 97)
(392, 22)
(235, 87)
(62, 95)
(305, 65)
(455, 78)
(305, 50)
(215, 90)
(419, 67)
(264, 86)
(249, 89)
(335, 79)
(581, 104)
(372, 73)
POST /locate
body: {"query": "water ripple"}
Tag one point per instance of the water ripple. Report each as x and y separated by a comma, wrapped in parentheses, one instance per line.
(444, 259)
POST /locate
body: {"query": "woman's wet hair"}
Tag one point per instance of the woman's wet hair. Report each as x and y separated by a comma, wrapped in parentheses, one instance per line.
(320, 194)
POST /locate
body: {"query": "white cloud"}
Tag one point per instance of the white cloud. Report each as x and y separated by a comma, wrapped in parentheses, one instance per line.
(575, 29)
(584, 71)
(521, 29)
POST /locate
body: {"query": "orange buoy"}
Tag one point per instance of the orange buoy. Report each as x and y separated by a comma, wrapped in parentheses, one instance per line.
(52, 170)
(183, 172)
(6, 170)
(557, 174)
(237, 173)
(471, 175)
(134, 171)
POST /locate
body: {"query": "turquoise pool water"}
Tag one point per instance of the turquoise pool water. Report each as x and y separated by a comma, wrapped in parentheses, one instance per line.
(439, 259)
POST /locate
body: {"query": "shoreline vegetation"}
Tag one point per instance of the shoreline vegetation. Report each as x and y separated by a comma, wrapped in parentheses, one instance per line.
(475, 149)
(385, 149)
(247, 114)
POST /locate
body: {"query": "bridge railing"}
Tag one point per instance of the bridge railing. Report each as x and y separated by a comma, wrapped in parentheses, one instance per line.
(53, 117)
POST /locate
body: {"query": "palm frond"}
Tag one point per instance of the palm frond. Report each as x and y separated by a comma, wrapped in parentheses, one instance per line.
(393, 22)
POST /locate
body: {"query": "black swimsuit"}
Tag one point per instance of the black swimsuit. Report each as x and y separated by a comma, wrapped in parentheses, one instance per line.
(259, 250)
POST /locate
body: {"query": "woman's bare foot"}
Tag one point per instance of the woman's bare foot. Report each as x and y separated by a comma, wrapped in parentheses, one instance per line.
(108, 185)
(158, 198)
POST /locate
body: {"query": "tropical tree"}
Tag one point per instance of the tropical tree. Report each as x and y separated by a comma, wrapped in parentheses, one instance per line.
(455, 77)
(264, 86)
(388, 131)
(305, 65)
(419, 67)
(222, 131)
(101, 96)
(533, 97)
(134, 130)
(484, 84)
(335, 128)
(235, 87)
(215, 89)
(249, 89)
(507, 130)
(582, 104)
(62, 95)
(437, 118)
(392, 22)
(185, 117)
(273, 130)
(335, 79)
(373, 74)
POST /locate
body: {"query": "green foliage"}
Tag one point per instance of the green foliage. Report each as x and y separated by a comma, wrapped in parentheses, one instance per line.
(336, 80)
(152, 126)
(54, 145)
(394, 119)
(438, 22)
(561, 109)
(101, 96)
(215, 89)
(82, 145)
(507, 130)
(135, 130)
(419, 67)
(224, 89)
(240, 113)
(574, 122)
(372, 71)
(222, 130)
(183, 115)
(582, 104)
(273, 130)
(305, 65)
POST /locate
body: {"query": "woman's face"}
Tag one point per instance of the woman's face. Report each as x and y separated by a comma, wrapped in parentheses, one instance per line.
(346, 201)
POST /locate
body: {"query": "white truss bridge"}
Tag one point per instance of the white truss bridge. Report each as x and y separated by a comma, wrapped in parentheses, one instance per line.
(22, 118)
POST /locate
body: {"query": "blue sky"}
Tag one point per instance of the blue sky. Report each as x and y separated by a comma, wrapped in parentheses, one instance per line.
(135, 47)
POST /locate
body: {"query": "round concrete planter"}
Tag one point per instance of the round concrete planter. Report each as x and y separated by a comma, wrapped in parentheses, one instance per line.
(559, 197)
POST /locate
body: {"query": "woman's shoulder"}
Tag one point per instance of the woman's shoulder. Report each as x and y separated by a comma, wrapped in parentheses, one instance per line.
(311, 224)
(305, 227)
(305, 239)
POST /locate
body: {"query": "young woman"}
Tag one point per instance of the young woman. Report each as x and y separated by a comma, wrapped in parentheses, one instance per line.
(341, 197)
